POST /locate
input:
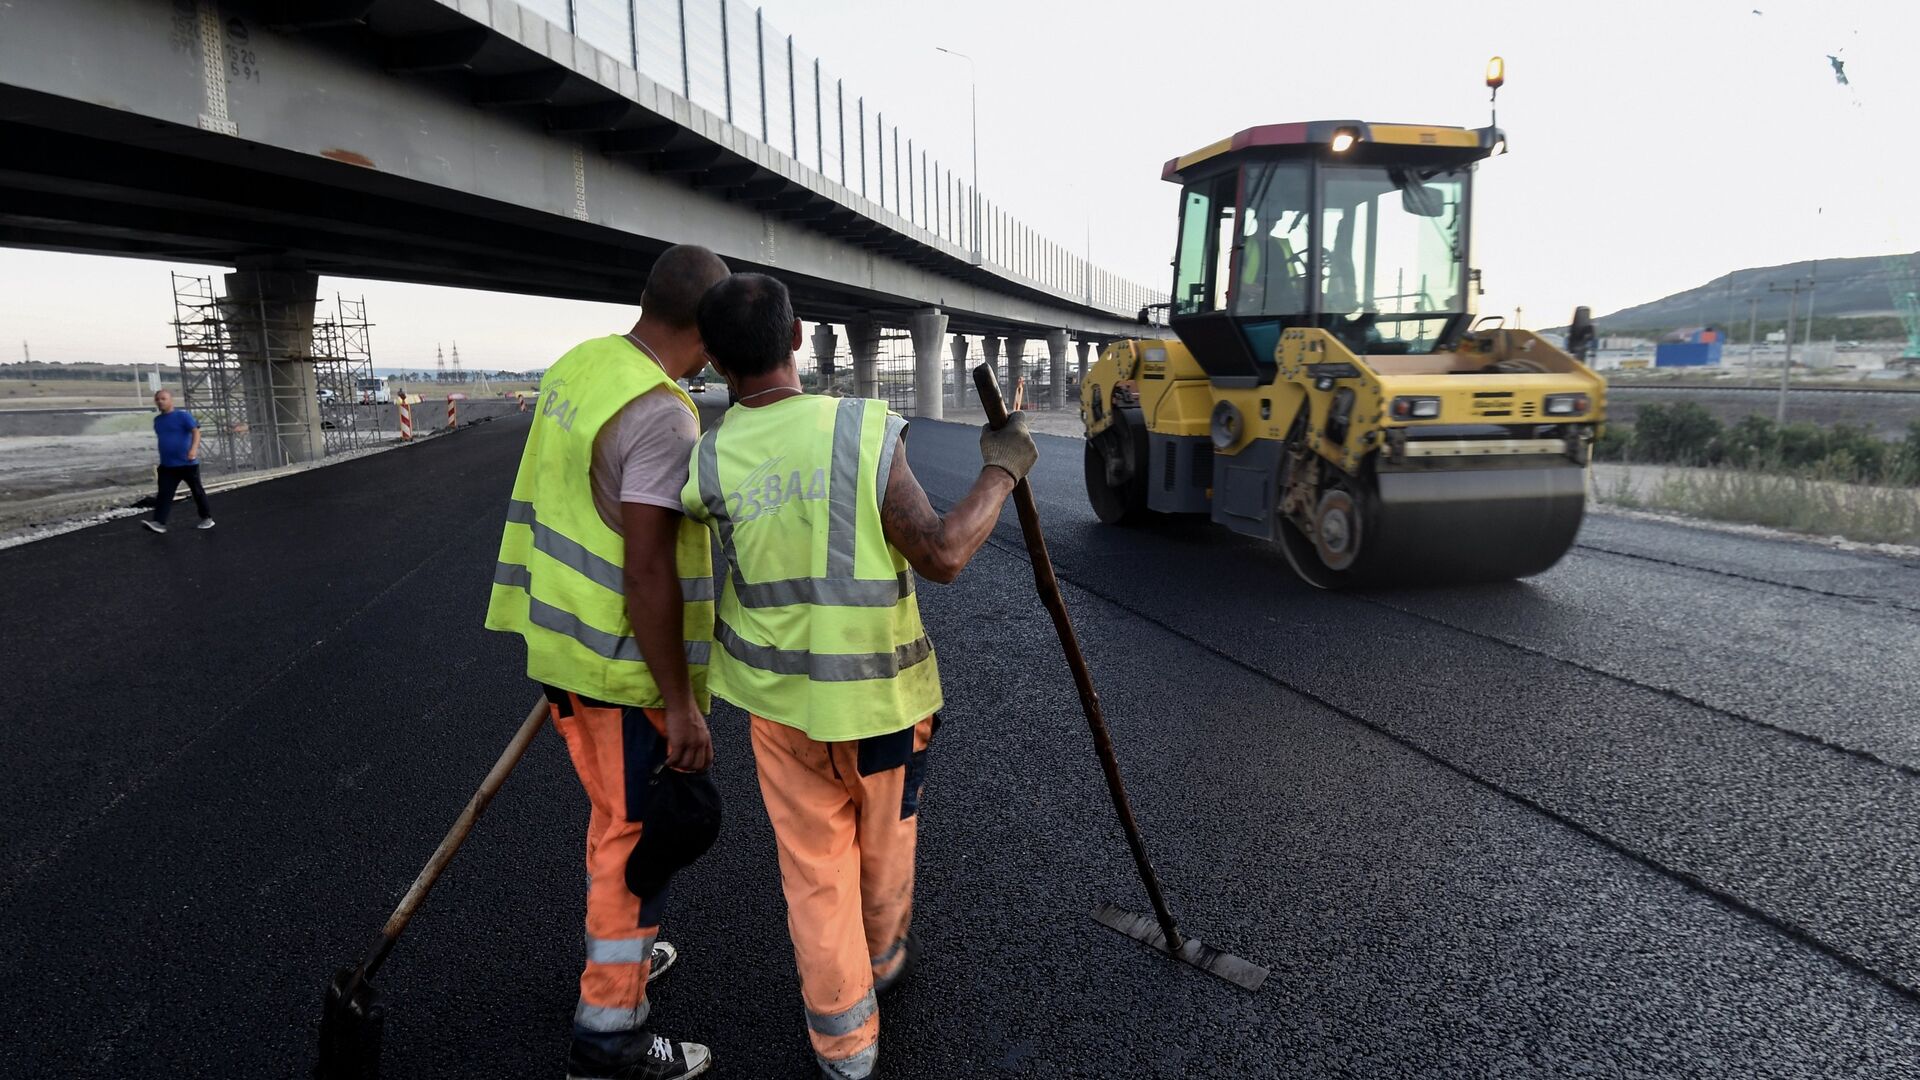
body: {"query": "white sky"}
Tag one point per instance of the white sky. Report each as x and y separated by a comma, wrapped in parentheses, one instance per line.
(1656, 143)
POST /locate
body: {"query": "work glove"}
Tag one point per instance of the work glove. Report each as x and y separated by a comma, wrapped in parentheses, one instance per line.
(1010, 448)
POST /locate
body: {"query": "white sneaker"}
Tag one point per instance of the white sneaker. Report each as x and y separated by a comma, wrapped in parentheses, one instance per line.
(205, 523)
(154, 525)
(663, 1060)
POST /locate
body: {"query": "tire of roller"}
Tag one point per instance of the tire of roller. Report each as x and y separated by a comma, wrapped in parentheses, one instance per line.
(1123, 504)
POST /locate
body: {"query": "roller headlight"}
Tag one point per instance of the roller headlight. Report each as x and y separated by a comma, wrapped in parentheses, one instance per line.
(1415, 408)
(1567, 405)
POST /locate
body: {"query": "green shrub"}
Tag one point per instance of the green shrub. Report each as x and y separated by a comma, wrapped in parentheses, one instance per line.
(1802, 445)
(1906, 467)
(1614, 443)
(1871, 455)
(1682, 434)
(1752, 442)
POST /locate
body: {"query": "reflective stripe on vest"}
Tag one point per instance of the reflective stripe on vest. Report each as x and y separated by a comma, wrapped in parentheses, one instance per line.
(559, 580)
(806, 476)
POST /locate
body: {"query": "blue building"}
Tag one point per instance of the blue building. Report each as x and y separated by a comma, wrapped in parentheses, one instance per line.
(1689, 348)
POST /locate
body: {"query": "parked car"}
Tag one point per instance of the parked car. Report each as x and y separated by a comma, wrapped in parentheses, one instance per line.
(327, 396)
(374, 392)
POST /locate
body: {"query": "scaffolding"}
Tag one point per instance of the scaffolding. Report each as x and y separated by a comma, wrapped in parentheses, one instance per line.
(350, 413)
(248, 411)
(211, 384)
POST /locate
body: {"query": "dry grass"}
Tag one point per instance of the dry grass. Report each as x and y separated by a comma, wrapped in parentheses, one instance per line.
(75, 393)
(1859, 512)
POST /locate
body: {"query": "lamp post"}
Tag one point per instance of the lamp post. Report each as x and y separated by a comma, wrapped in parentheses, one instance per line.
(973, 92)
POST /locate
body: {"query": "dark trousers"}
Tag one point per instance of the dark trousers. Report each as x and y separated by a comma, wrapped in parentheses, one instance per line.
(170, 477)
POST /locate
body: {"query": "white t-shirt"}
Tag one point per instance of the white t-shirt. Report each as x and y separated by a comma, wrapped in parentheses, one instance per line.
(642, 455)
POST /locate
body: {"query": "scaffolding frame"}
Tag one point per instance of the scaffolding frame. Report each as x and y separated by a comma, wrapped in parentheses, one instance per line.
(210, 377)
(343, 371)
(211, 334)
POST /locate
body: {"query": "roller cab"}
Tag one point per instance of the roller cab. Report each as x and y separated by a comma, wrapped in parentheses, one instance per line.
(1324, 385)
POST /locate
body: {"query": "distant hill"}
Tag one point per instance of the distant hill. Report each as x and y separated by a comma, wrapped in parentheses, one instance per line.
(1847, 287)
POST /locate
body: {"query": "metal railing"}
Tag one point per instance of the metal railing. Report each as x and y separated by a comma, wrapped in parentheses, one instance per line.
(728, 58)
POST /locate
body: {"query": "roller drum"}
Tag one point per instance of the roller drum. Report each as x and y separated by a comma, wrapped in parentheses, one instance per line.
(1459, 525)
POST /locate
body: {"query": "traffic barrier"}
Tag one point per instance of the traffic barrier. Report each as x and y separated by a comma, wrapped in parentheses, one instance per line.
(406, 420)
(453, 414)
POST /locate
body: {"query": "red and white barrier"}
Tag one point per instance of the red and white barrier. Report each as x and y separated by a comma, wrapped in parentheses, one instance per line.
(406, 420)
(453, 413)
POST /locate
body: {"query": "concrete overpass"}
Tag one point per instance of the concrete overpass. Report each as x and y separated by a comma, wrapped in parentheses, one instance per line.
(552, 147)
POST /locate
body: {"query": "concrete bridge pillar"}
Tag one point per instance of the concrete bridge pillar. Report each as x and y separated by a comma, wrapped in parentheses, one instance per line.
(824, 343)
(1056, 368)
(863, 341)
(1016, 364)
(928, 326)
(960, 375)
(269, 312)
(990, 346)
(1085, 348)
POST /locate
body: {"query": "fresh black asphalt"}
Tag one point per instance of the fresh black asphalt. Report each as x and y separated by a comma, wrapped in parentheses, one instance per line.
(1651, 814)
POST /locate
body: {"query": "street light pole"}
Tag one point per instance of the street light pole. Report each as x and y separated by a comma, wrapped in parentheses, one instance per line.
(973, 80)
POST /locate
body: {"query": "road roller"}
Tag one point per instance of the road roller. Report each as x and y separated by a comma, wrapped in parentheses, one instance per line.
(1324, 383)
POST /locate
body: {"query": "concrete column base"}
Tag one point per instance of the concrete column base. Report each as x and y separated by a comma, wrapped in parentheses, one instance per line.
(863, 341)
(1056, 368)
(824, 344)
(961, 376)
(928, 326)
(1016, 365)
(269, 313)
(1086, 347)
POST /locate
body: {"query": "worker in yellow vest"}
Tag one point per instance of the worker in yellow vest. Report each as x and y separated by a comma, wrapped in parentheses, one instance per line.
(612, 589)
(818, 637)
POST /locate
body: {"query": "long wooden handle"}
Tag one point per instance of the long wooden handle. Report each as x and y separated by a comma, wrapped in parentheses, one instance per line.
(456, 836)
(1049, 588)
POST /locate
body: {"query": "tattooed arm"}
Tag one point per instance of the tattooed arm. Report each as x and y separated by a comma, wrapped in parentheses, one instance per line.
(939, 548)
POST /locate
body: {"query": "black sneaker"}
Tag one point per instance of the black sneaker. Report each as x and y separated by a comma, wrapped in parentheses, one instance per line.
(664, 957)
(883, 987)
(664, 1059)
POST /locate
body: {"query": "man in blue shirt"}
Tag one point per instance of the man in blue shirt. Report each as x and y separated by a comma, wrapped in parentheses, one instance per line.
(179, 436)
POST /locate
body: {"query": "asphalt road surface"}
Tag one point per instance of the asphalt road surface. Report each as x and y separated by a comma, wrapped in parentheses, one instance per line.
(1655, 813)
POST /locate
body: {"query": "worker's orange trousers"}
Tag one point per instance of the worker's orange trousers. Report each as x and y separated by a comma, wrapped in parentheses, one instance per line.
(845, 818)
(614, 748)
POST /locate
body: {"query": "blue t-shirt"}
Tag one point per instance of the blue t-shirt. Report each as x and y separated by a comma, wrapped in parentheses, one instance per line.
(175, 431)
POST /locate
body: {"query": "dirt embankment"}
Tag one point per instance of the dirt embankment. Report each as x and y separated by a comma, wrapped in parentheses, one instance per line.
(60, 464)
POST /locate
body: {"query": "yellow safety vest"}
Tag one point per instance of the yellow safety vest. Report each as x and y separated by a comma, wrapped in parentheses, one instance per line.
(818, 625)
(559, 582)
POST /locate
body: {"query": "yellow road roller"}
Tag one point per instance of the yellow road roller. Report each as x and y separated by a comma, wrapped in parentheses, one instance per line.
(1325, 383)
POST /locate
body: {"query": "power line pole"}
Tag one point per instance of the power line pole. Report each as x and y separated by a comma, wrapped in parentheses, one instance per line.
(26, 354)
(1812, 283)
(1786, 368)
(1730, 308)
(1753, 330)
(1813, 279)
